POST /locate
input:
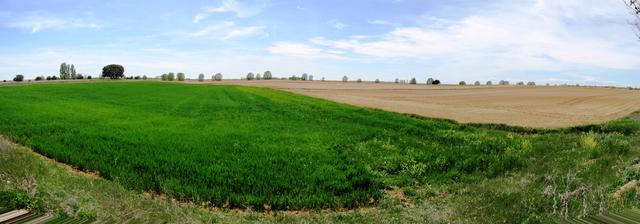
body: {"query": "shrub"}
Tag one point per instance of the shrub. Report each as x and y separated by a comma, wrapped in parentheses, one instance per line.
(477, 83)
(137, 77)
(359, 80)
(39, 78)
(48, 77)
(310, 78)
(413, 81)
(171, 76)
(489, 83)
(250, 76)
(504, 83)
(377, 81)
(462, 83)
(54, 78)
(345, 78)
(397, 81)
(113, 71)
(520, 83)
(217, 77)
(322, 79)
(531, 83)
(436, 82)
(88, 77)
(180, 76)
(201, 77)
(18, 78)
(144, 77)
(79, 76)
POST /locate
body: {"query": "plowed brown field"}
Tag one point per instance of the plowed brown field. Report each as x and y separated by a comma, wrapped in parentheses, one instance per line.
(540, 107)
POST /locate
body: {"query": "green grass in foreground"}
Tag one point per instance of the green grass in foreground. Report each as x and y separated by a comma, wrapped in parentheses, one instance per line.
(245, 146)
(443, 171)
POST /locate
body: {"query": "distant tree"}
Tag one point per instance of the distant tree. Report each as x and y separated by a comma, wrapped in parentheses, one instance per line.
(64, 71)
(39, 78)
(79, 76)
(267, 75)
(54, 78)
(477, 83)
(547, 84)
(304, 77)
(322, 79)
(430, 81)
(180, 76)
(164, 77)
(413, 81)
(217, 77)
(113, 71)
(359, 80)
(137, 77)
(310, 78)
(201, 77)
(250, 76)
(521, 83)
(531, 83)
(72, 72)
(89, 77)
(397, 80)
(18, 78)
(258, 76)
(377, 81)
(345, 78)
(489, 83)
(436, 82)
(171, 76)
(48, 77)
(504, 83)
(462, 83)
(144, 77)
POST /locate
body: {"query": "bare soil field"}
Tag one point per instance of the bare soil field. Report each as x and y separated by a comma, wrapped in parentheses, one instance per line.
(538, 107)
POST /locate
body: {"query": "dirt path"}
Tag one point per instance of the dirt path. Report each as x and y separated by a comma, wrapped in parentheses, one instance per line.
(540, 107)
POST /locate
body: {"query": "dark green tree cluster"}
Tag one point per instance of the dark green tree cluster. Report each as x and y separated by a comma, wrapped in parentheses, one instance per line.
(113, 71)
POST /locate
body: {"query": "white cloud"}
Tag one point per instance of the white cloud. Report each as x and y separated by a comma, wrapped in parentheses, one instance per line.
(199, 17)
(383, 22)
(36, 22)
(242, 32)
(214, 29)
(340, 25)
(240, 9)
(299, 50)
(537, 34)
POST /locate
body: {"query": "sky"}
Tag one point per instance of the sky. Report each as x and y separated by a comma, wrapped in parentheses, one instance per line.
(587, 42)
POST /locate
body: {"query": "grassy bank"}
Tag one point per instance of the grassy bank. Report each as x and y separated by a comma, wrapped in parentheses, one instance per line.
(259, 149)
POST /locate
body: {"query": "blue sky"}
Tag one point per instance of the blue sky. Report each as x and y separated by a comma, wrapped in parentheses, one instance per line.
(568, 41)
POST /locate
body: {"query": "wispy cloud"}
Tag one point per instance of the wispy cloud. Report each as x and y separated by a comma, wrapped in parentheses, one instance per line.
(36, 22)
(226, 30)
(302, 51)
(383, 22)
(240, 9)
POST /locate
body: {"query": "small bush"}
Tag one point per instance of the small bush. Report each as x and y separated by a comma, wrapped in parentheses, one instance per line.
(80, 76)
(489, 83)
(531, 84)
(88, 77)
(359, 80)
(137, 77)
(345, 78)
(20, 200)
(39, 78)
(377, 81)
(430, 81)
(520, 83)
(217, 77)
(462, 83)
(413, 81)
(477, 83)
(436, 82)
